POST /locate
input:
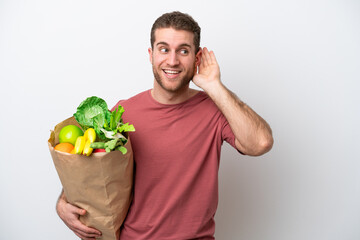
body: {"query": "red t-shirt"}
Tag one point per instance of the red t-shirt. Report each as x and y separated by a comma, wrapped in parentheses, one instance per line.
(176, 152)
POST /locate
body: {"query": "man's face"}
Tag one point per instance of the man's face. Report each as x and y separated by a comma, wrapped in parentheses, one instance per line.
(173, 58)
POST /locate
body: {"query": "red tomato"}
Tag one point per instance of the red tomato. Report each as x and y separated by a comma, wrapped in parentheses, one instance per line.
(99, 150)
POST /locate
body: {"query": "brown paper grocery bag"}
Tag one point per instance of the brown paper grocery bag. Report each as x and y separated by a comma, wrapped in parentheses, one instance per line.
(100, 183)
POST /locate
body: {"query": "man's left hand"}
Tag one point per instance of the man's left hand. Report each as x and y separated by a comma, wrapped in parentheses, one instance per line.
(208, 75)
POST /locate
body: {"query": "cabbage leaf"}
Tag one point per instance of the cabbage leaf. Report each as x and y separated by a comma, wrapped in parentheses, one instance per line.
(109, 126)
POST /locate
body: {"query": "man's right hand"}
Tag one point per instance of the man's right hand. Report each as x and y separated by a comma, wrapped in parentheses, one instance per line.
(70, 215)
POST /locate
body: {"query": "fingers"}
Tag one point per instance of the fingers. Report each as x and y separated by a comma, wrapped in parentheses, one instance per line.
(76, 210)
(83, 230)
(87, 233)
(205, 57)
(208, 58)
(70, 216)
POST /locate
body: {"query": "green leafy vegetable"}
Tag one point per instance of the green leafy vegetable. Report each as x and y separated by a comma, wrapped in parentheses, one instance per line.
(109, 126)
(90, 110)
(126, 128)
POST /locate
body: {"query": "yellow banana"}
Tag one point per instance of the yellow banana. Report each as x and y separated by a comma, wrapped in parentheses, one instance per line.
(87, 149)
(90, 134)
(79, 145)
(89, 137)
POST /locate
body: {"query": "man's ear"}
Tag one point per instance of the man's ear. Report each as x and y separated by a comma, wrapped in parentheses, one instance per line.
(198, 57)
(197, 61)
(150, 54)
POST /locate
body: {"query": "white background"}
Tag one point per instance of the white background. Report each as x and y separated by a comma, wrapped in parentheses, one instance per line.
(294, 62)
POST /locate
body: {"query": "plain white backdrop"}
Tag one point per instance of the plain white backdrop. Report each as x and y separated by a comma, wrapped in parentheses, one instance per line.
(294, 62)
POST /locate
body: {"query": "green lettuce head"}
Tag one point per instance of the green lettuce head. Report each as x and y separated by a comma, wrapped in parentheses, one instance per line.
(92, 112)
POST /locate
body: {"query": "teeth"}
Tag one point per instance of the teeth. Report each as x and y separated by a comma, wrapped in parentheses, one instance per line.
(171, 71)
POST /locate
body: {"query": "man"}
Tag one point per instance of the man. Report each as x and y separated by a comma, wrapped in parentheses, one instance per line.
(179, 133)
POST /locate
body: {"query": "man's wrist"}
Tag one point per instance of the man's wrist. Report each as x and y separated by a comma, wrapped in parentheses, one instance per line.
(61, 200)
(213, 87)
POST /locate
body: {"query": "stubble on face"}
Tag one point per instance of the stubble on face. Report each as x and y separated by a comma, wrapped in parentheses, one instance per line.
(182, 83)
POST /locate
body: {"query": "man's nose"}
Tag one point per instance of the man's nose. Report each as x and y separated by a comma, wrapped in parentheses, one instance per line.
(173, 59)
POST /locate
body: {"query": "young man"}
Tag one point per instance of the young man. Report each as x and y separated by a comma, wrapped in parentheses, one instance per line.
(179, 133)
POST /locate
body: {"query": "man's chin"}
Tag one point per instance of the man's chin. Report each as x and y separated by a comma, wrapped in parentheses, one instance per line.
(175, 89)
(173, 86)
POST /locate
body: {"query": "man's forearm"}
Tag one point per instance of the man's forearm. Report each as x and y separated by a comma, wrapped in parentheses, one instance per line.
(253, 134)
(61, 199)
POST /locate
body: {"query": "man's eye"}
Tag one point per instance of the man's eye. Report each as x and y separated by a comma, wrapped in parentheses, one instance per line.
(184, 51)
(163, 50)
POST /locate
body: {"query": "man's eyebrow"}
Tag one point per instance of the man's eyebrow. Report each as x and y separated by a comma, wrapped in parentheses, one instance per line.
(181, 45)
(185, 45)
(162, 43)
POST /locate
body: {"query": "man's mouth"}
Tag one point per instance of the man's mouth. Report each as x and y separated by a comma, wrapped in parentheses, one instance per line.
(171, 73)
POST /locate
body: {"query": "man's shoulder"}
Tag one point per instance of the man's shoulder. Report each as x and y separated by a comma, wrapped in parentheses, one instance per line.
(136, 99)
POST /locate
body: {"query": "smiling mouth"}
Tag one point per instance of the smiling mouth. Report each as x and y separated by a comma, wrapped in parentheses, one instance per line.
(171, 73)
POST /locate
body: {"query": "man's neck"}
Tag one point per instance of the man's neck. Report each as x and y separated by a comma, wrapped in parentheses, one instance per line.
(167, 97)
